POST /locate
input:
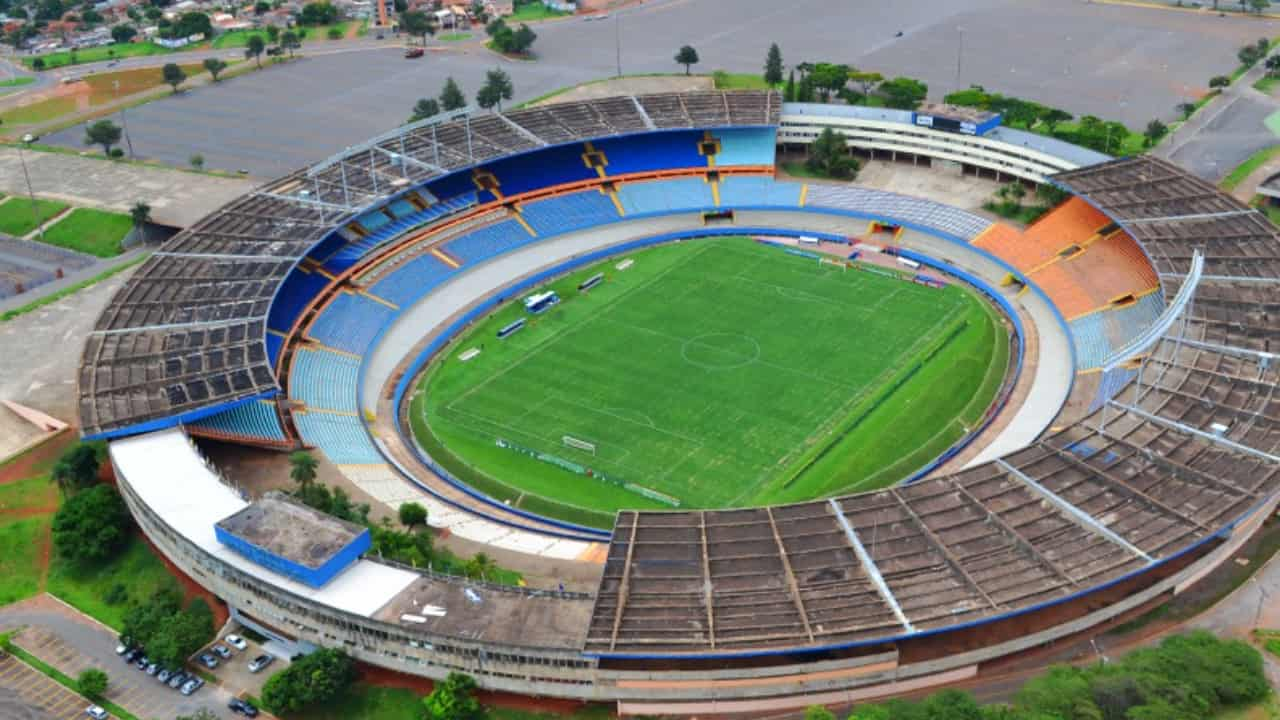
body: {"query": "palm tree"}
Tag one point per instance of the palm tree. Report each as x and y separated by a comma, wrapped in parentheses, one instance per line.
(480, 567)
(302, 469)
(140, 213)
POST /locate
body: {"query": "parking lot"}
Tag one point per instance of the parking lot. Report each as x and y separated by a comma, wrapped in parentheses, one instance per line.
(233, 672)
(26, 694)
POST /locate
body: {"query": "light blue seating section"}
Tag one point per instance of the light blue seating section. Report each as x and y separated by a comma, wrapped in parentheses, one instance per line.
(297, 290)
(371, 221)
(323, 379)
(400, 208)
(746, 146)
(751, 191)
(1123, 324)
(353, 252)
(254, 419)
(1089, 336)
(488, 241)
(411, 280)
(340, 437)
(666, 195)
(350, 323)
(274, 344)
(652, 151)
(1111, 384)
(570, 212)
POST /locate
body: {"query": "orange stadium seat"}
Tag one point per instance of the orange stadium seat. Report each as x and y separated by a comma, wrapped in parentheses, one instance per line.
(1073, 223)
(1111, 268)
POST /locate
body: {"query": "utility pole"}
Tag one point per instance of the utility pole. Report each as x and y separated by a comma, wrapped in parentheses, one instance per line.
(617, 40)
(35, 213)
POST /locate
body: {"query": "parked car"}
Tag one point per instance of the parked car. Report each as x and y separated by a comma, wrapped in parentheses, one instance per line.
(243, 707)
(260, 662)
(121, 649)
(164, 675)
(208, 661)
(236, 642)
(131, 656)
(413, 53)
(142, 662)
(178, 680)
(221, 651)
(96, 713)
(153, 668)
(192, 685)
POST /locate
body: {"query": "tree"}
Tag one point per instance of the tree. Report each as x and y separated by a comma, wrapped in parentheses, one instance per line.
(289, 41)
(273, 33)
(522, 40)
(818, 712)
(183, 633)
(866, 80)
(687, 56)
(140, 214)
(91, 526)
(804, 90)
(92, 683)
(789, 92)
(424, 108)
(214, 66)
(454, 699)
(196, 161)
(254, 48)
(479, 12)
(497, 87)
(829, 157)
(1155, 130)
(262, 7)
(77, 468)
(773, 66)
(310, 680)
(1185, 109)
(173, 75)
(318, 13)
(104, 133)
(1273, 65)
(123, 33)
(480, 567)
(451, 97)
(334, 33)
(828, 78)
(1218, 82)
(302, 468)
(192, 23)
(37, 64)
(418, 24)
(904, 93)
(412, 514)
(1259, 6)
(1053, 117)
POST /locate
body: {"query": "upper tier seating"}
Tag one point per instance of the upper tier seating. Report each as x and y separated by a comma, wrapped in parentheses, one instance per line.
(297, 290)
(666, 195)
(402, 208)
(754, 190)
(1074, 222)
(371, 221)
(546, 167)
(253, 420)
(1089, 336)
(353, 252)
(274, 345)
(1107, 269)
(324, 380)
(653, 151)
(1122, 324)
(746, 146)
(488, 241)
(411, 280)
(566, 213)
(350, 323)
(879, 204)
(342, 438)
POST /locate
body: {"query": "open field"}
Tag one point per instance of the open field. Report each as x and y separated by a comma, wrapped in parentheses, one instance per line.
(94, 90)
(96, 232)
(17, 219)
(96, 54)
(715, 373)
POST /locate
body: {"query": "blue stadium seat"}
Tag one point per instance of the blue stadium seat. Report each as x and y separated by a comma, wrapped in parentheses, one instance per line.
(652, 151)
(1090, 340)
(1123, 324)
(746, 146)
(400, 208)
(328, 246)
(274, 344)
(412, 280)
(452, 185)
(754, 191)
(298, 289)
(371, 221)
(488, 241)
(353, 252)
(540, 169)
(665, 196)
(567, 213)
(350, 323)
(341, 437)
(255, 419)
(323, 379)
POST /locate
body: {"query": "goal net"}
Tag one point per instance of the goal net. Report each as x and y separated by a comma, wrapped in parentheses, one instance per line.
(843, 265)
(577, 444)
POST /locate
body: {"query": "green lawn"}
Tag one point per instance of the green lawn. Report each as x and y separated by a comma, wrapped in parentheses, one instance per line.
(1246, 168)
(88, 55)
(137, 568)
(722, 373)
(17, 81)
(1267, 83)
(21, 564)
(367, 702)
(739, 81)
(454, 37)
(95, 232)
(237, 38)
(16, 217)
(39, 112)
(532, 10)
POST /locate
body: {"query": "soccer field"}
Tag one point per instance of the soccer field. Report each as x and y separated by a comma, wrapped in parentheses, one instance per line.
(711, 373)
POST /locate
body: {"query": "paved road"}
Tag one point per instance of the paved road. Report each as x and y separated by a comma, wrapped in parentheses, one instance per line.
(1117, 62)
(72, 642)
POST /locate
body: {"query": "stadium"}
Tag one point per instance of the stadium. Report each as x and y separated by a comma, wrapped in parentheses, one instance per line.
(1094, 430)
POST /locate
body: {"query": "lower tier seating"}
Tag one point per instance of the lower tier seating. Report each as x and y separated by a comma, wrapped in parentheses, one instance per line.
(754, 190)
(342, 438)
(350, 323)
(324, 380)
(255, 420)
(488, 241)
(566, 213)
(666, 195)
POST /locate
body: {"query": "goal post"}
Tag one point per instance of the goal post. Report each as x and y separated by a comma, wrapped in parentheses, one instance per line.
(579, 444)
(842, 264)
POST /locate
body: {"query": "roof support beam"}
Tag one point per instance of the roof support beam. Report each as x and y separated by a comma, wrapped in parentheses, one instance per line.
(1012, 533)
(791, 576)
(869, 565)
(1231, 444)
(1181, 218)
(648, 121)
(707, 595)
(947, 555)
(1081, 517)
(625, 586)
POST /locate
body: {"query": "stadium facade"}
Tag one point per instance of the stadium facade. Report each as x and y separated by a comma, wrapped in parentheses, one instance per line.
(1141, 454)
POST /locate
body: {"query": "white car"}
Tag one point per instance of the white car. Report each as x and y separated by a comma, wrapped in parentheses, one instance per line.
(236, 642)
(97, 713)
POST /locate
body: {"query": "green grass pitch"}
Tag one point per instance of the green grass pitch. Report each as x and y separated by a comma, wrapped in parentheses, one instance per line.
(722, 373)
